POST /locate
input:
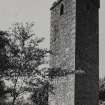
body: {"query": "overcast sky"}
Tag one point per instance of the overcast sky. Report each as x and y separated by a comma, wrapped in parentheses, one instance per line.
(12, 11)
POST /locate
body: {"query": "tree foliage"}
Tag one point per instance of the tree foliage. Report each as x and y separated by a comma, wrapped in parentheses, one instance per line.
(3, 57)
(40, 95)
(26, 60)
(3, 65)
(102, 89)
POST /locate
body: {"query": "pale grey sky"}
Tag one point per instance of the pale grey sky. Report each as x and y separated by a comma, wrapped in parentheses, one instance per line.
(38, 11)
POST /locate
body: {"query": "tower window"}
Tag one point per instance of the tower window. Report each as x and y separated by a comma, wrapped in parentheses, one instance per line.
(88, 7)
(62, 10)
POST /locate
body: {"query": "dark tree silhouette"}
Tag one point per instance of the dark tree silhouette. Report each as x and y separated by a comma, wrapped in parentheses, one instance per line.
(40, 95)
(3, 65)
(3, 57)
(102, 90)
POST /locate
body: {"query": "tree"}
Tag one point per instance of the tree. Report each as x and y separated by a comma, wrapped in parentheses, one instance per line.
(40, 95)
(2, 93)
(3, 57)
(102, 90)
(26, 59)
(3, 65)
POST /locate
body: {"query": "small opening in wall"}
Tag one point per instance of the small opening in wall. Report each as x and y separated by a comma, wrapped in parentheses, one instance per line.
(62, 10)
(87, 7)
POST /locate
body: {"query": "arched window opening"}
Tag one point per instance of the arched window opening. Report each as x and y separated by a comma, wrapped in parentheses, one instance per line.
(62, 10)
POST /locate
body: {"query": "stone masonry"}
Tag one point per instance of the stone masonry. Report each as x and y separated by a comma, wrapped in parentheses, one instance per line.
(74, 43)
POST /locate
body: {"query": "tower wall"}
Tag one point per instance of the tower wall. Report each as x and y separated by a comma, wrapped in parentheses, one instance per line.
(75, 46)
(62, 45)
(63, 30)
(87, 53)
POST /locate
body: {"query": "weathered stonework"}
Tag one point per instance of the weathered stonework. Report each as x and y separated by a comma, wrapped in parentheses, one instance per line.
(63, 48)
(64, 91)
(74, 43)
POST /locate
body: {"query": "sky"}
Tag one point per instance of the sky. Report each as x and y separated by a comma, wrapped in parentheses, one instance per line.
(38, 11)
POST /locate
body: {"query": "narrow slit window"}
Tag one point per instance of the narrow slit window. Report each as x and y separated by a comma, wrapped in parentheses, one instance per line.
(62, 10)
(88, 7)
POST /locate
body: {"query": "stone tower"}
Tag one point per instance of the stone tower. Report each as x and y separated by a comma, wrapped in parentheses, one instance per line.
(75, 46)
